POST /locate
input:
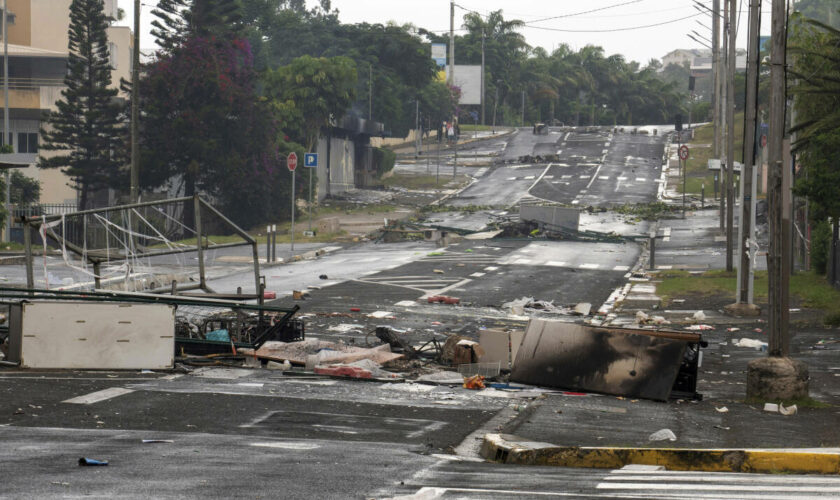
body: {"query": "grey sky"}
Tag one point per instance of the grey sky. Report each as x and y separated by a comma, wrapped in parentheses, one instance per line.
(637, 44)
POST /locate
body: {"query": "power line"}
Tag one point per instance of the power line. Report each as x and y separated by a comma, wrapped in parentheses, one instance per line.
(631, 28)
(586, 11)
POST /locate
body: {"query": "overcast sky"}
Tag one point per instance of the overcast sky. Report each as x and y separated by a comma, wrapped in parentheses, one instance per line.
(638, 29)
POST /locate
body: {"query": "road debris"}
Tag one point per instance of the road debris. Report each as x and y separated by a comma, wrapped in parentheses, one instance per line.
(92, 462)
(618, 361)
(321, 352)
(722, 409)
(662, 435)
(476, 382)
(753, 343)
(698, 328)
(443, 299)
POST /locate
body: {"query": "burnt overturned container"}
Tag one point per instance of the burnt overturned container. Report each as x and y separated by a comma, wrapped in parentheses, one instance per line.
(649, 364)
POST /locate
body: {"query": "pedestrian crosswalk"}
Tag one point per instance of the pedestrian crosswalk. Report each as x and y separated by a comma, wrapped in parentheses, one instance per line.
(679, 485)
(464, 257)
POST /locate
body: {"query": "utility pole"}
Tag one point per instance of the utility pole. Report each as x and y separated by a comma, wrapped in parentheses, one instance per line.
(730, 134)
(451, 78)
(482, 78)
(370, 91)
(135, 108)
(6, 117)
(523, 108)
(716, 76)
(777, 377)
(743, 301)
(724, 70)
(779, 263)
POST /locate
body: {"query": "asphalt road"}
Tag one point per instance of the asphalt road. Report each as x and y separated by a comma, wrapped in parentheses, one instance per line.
(243, 433)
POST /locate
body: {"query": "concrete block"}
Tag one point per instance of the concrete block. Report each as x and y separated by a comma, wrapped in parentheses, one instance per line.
(775, 378)
(329, 225)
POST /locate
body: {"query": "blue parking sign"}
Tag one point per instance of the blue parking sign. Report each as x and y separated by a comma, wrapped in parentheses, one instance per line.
(310, 160)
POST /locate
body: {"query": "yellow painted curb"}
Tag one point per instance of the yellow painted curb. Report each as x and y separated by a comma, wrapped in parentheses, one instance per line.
(513, 450)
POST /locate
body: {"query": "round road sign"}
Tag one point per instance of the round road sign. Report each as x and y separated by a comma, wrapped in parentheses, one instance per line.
(683, 152)
(763, 140)
(291, 161)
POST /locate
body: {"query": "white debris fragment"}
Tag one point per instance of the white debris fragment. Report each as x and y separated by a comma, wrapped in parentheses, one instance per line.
(722, 409)
(345, 328)
(662, 435)
(790, 410)
(381, 315)
(406, 303)
(771, 407)
(699, 316)
(641, 317)
(745, 342)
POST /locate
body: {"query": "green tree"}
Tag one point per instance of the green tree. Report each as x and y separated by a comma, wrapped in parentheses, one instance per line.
(86, 129)
(311, 92)
(24, 190)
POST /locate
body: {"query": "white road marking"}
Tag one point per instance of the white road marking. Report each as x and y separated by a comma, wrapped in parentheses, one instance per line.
(287, 446)
(604, 177)
(512, 178)
(529, 177)
(621, 268)
(597, 170)
(717, 487)
(622, 178)
(584, 176)
(522, 261)
(555, 263)
(250, 384)
(548, 177)
(477, 275)
(665, 268)
(575, 202)
(566, 177)
(491, 268)
(589, 266)
(641, 179)
(95, 397)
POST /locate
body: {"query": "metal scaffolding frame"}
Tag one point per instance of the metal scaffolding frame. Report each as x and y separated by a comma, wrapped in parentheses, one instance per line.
(202, 243)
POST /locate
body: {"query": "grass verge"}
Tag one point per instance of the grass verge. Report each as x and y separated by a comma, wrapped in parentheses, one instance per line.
(810, 289)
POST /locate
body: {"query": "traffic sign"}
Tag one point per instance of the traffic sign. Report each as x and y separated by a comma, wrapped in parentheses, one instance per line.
(763, 140)
(291, 161)
(310, 160)
(683, 152)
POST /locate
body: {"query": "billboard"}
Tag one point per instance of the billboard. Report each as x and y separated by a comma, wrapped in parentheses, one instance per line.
(468, 78)
(439, 53)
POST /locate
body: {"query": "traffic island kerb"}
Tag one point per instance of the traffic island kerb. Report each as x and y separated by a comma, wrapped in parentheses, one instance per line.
(742, 310)
(508, 449)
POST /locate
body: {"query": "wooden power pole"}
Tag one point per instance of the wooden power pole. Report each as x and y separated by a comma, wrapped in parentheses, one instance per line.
(135, 108)
(779, 261)
(730, 133)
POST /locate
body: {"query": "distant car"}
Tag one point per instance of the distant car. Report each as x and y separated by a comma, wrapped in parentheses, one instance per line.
(540, 129)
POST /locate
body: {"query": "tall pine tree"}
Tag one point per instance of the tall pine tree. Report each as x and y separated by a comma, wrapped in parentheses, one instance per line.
(86, 129)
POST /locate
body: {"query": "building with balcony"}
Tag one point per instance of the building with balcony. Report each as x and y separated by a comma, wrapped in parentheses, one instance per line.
(37, 41)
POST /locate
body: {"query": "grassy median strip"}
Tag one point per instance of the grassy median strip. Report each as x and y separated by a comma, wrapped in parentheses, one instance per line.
(701, 149)
(810, 289)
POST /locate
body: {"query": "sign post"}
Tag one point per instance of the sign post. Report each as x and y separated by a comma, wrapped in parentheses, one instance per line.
(310, 161)
(291, 162)
(684, 166)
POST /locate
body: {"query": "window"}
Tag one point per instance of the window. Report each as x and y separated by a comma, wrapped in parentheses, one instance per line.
(112, 55)
(27, 142)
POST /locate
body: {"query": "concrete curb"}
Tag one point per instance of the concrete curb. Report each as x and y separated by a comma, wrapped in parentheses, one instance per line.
(510, 449)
